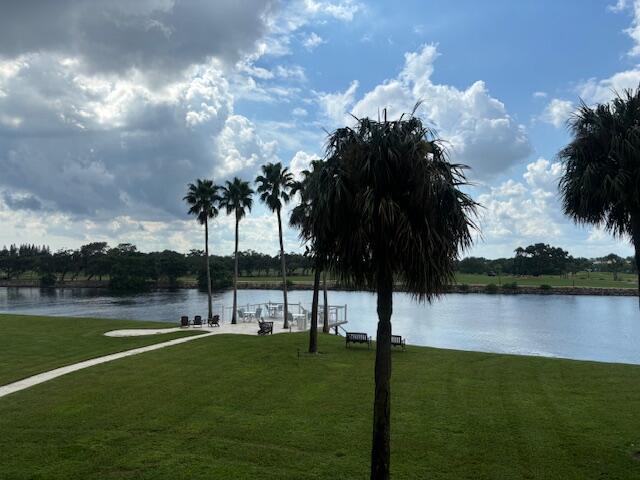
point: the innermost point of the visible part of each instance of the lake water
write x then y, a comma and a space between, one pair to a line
579, 327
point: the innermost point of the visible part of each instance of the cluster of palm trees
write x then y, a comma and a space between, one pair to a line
385, 206
205, 199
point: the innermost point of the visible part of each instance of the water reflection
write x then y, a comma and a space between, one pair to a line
580, 327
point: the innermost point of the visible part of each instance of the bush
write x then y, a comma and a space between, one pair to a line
491, 288
545, 286
48, 280
123, 283
219, 280
511, 286
463, 287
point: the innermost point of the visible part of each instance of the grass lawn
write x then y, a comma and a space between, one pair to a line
581, 279
249, 408
30, 345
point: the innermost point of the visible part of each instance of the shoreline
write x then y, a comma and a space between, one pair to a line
461, 289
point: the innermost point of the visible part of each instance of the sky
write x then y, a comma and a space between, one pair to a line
109, 108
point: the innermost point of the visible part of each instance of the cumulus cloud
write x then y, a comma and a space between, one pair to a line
523, 212
312, 41
159, 36
557, 112
477, 126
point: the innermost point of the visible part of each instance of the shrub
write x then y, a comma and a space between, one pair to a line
219, 280
47, 280
545, 286
491, 288
511, 286
463, 287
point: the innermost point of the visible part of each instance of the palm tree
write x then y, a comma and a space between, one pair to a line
202, 197
396, 213
274, 186
601, 180
236, 197
304, 217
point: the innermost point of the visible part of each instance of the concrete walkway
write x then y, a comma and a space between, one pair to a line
239, 329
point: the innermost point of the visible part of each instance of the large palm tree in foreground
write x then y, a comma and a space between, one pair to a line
202, 199
601, 180
274, 187
396, 213
236, 197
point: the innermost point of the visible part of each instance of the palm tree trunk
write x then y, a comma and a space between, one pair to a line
381, 450
313, 333
235, 278
635, 226
325, 313
206, 255
284, 274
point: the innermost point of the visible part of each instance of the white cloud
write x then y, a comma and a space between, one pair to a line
601, 91
301, 161
299, 112
477, 126
335, 105
312, 41
557, 112
539, 94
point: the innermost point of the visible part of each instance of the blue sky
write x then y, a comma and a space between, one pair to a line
108, 109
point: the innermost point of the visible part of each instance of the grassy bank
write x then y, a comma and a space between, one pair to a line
30, 345
248, 407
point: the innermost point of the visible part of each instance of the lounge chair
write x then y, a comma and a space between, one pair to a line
197, 321
184, 321
214, 321
265, 328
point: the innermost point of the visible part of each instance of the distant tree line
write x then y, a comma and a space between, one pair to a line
128, 269
544, 259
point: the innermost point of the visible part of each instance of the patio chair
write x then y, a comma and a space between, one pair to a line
265, 328
184, 321
214, 321
197, 321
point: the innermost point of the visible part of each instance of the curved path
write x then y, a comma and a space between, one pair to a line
239, 329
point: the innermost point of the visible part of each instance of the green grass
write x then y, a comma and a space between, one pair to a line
249, 408
582, 279
30, 345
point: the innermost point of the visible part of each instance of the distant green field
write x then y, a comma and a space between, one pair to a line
582, 279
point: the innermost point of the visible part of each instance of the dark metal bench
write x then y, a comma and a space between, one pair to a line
265, 328
398, 341
357, 337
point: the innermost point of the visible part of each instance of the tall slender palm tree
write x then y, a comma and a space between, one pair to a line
394, 207
236, 197
601, 180
274, 187
303, 216
202, 197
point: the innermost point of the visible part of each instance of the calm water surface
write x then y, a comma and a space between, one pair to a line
580, 327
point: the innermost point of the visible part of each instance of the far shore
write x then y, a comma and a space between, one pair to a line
505, 289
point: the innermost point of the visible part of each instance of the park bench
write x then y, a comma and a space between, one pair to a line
265, 328
357, 337
398, 341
